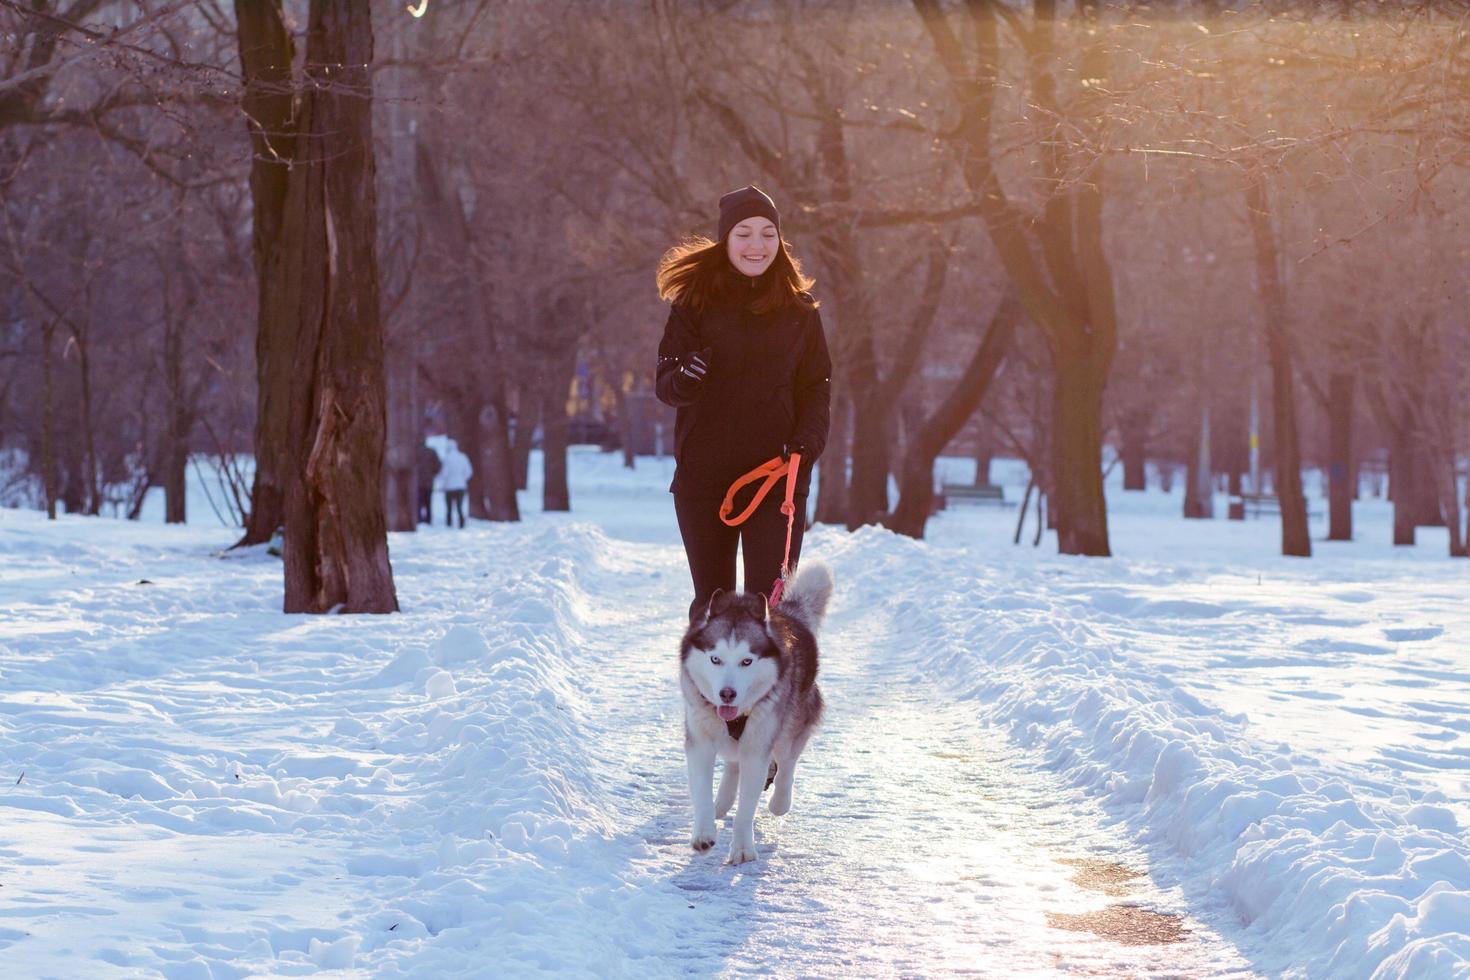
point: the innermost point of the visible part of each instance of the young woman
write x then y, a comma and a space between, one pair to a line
744, 360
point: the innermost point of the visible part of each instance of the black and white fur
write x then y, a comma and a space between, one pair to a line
758, 663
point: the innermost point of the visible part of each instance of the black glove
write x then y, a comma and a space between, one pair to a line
692, 371
794, 447
696, 364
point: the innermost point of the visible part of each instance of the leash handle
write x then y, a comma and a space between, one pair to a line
770, 471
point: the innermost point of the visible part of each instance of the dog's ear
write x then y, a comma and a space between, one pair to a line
709, 608
765, 607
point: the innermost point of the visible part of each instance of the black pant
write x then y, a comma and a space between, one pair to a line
453, 501
426, 510
710, 545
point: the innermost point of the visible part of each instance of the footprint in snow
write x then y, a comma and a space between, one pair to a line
1407, 634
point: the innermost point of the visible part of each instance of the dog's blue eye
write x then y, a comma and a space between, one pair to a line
746, 662
714, 660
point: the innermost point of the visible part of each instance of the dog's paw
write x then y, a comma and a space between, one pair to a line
702, 838
780, 801
741, 853
722, 810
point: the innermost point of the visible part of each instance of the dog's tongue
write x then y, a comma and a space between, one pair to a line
728, 712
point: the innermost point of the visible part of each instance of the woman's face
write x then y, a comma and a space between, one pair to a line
752, 245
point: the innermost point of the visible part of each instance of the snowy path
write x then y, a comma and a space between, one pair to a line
493, 785
918, 845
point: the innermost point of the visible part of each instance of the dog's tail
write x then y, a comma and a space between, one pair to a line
805, 599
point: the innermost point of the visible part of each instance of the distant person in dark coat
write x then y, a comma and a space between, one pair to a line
744, 360
428, 466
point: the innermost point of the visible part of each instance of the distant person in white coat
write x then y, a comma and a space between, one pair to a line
455, 479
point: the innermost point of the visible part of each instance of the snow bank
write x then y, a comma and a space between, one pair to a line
418, 793
1326, 878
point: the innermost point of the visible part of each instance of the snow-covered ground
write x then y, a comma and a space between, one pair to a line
491, 783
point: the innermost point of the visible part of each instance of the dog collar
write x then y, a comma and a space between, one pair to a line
736, 728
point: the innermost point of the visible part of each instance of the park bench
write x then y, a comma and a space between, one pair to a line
1257, 504
967, 493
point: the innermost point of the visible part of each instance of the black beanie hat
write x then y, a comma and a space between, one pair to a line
748, 202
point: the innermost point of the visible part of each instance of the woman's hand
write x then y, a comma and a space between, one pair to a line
692, 372
697, 364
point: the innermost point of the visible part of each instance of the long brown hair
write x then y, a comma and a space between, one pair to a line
697, 272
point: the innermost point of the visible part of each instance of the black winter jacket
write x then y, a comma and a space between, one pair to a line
769, 385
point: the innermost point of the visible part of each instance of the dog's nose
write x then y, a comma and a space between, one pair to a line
727, 694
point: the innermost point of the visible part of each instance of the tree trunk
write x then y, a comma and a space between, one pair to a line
179, 402
904, 430
500, 462
1237, 451
73, 493
866, 494
1450, 496
1401, 489
176, 441
1465, 537
1076, 500
1340, 457
1436, 427
405, 435
867, 491
266, 54
625, 426
984, 453
832, 481
916, 482
336, 546
527, 416
1199, 489
1295, 539
92, 492
555, 494
48, 421
1135, 451
1426, 500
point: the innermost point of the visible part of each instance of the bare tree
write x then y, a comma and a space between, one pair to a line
268, 100
1071, 297
1294, 537
336, 547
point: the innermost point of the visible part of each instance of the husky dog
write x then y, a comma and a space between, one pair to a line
749, 676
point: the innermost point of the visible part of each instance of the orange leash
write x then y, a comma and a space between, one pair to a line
770, 472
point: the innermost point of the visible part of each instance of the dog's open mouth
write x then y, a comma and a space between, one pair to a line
727, 712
